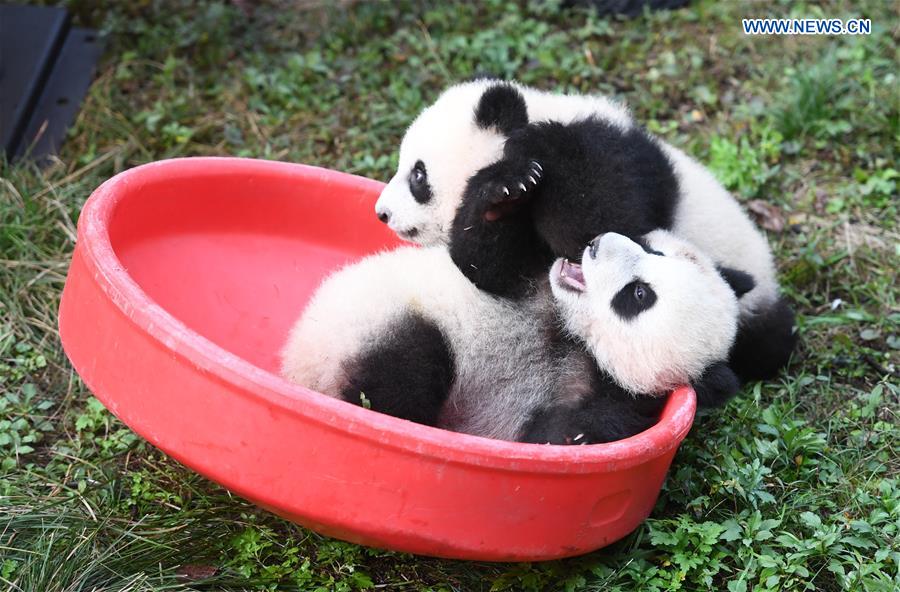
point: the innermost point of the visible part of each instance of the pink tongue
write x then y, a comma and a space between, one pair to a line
571, 275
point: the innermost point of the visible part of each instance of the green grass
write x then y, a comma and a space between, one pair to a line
793, 486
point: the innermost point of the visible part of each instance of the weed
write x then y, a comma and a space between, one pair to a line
793, 486
745, 166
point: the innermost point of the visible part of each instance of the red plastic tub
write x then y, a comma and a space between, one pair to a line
185, 280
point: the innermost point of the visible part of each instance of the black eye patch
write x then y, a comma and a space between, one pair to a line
633, 299
647, 248
418, 183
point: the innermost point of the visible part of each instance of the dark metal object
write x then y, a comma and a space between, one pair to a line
46, 67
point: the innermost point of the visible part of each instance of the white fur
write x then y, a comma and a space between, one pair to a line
447, 140
505, 365
434, 137
692, 324
712, 220
502, 366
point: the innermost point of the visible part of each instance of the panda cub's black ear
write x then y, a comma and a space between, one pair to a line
741, 282
502, 106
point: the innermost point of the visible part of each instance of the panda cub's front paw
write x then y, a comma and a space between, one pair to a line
504, 186
560, 425
518, 178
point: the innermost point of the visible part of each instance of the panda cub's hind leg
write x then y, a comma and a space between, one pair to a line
406, 373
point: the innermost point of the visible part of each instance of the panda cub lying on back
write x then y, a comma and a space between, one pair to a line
511, 177
586, 358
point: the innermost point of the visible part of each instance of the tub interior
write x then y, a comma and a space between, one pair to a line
236, 257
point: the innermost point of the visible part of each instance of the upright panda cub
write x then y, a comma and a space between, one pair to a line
511, 177
585, 358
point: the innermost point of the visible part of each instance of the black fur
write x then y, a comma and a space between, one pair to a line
407, 373
644, 245
502, 107
504, 255
418, 183
716, 387
629, 8
610, 413
764, 343
633, 299
409, 370
595, 178
740, 281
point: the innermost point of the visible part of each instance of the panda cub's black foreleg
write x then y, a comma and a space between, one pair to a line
493, 241
607, 414
610, 413
765, 342
506, 185
593, 421
407, 373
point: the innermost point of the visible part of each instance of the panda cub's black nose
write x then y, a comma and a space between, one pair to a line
384, 216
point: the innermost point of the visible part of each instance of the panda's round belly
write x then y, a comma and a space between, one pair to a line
503, 371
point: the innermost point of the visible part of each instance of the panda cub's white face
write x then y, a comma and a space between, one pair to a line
440, 151
654, 319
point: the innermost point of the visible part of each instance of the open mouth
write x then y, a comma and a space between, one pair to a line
571, 276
